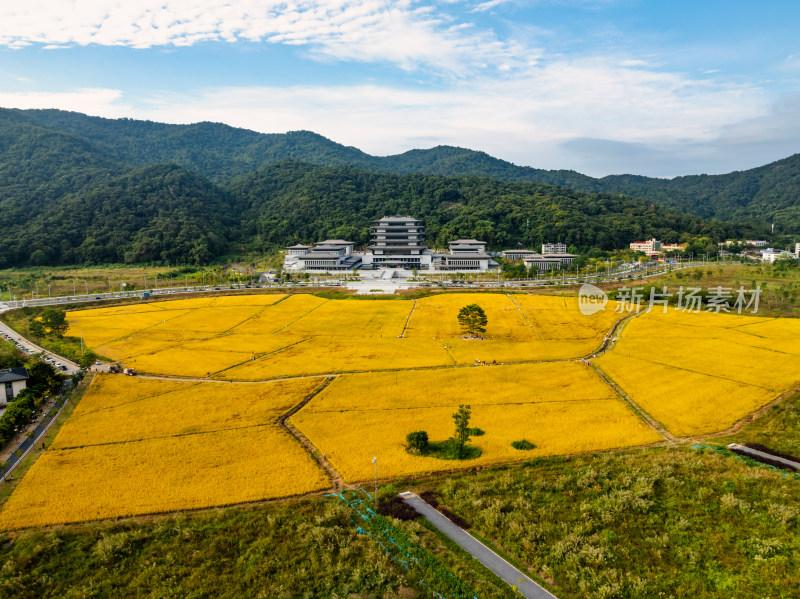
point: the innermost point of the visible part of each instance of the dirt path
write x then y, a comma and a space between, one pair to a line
337, 481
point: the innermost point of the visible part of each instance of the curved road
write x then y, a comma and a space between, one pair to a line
32, 348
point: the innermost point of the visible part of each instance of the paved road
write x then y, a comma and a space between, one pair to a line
478, 550
31, 347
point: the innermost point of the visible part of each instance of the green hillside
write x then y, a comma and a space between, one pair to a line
84, 190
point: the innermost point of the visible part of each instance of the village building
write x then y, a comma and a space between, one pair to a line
13, 380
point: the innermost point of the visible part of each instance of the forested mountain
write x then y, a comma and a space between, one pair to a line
220, 153
76, 189
292, 201
159, 213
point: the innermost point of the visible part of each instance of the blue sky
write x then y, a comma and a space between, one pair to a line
599, 86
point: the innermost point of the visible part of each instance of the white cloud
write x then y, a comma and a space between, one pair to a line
591, 115
527, 119
408, 33
94, 101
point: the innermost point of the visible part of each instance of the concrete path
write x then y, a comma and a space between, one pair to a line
476, 549
761, 455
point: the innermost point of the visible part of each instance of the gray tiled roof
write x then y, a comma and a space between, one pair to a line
8, 375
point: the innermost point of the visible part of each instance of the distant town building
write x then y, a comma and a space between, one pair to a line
653, 247
554, 248
465, 254
519, 254
751, 242
397, 242
797, 250
770, 255
13, 380
549, 261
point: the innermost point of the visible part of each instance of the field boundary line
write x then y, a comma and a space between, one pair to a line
713, 376
337, 480
609, 344
638, 410
173, 436
142, 330
133, 401
525, 316
252, 316
410, 314
276, 351
608, 341
303, 315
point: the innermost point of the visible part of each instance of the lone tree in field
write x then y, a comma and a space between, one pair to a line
463, 432
473, 320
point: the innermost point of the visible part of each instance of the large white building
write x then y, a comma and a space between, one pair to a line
398, 242
549, 261
465, 255
331, 255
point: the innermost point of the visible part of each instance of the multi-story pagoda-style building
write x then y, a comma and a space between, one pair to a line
398, 242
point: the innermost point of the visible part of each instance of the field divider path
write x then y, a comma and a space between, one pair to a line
410, 314
259, 357
525, 316
608, 344
641, 412
337, 481
303, 315
609, 341
252, 316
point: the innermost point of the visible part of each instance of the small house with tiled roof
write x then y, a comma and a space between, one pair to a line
13, 380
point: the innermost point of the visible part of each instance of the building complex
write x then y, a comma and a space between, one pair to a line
398, 242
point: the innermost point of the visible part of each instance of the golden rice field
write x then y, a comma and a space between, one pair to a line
246, 339
562, 407
139, 445
700, 373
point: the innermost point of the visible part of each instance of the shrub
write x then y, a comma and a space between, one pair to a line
418, 440
523, 445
